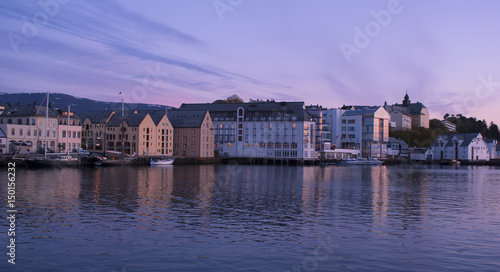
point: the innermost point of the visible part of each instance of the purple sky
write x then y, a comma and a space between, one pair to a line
445, 53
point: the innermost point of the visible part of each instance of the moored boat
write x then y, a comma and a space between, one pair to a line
162, 162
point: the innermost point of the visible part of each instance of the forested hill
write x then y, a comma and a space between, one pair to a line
77, 104
472, 125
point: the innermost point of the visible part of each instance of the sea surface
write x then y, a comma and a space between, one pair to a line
255, 218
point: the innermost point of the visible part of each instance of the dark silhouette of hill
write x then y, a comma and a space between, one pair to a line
77, 104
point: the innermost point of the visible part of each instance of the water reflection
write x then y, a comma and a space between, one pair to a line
215, 216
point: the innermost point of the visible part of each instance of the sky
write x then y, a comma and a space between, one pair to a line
445, 54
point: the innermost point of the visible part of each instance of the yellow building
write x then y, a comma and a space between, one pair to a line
138, 132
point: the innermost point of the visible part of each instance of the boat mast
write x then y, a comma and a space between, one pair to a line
166, 130
68, 132
123, 117
46, 125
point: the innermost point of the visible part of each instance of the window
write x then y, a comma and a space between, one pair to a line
13, 132
343, 121
20, 131
64, 133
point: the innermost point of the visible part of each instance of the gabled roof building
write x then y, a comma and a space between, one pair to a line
460, 147
261, 129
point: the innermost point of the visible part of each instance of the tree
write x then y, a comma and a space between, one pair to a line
232, 99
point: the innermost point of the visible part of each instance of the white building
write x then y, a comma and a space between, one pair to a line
449, 125
365, 129
69, 134
462, 147
277, 130
400, 120
421, 154
28, 124
492, 147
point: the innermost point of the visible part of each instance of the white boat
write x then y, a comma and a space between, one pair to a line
361, 161
162, 162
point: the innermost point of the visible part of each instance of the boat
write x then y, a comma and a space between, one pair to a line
104, 161
60, 161
348, 161
165, 161
360, 161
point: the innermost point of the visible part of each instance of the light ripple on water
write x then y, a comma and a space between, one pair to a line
259, 218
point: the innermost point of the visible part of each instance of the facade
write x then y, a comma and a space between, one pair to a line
3, 142
417, 111
462, 147
94, 130
332, 126
492, 147
164, 133
322, 141
365, 129
400, 120
421, 154
69, 134
449, 125
259, 129
28, 124
396, 147
497, 154
144, 132
193, 133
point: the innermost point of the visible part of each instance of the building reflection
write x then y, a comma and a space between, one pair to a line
109, 187
47, 194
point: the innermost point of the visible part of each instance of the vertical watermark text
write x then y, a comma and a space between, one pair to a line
11, 211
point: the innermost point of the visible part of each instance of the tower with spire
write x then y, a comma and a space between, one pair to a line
406, 101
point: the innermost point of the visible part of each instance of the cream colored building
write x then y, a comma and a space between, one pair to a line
69, 134
144, 133
28, 124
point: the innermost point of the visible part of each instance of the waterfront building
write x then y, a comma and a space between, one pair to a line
164, 133
322, 140
417, 111
497, 154
94, 130
367, 129
397, 147
69, 134
28, 124
261, 129
462, 147
492, 147
193, 133
144, 132
421, 154
449, 125
3, 142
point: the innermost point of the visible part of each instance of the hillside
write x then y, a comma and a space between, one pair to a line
77, 104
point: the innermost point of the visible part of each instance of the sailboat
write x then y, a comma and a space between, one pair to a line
59, 161
104, 161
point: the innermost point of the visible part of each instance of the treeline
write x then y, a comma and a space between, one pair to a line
420, 137
472, 125
423, 137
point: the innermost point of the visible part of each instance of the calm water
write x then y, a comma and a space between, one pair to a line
256, 218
